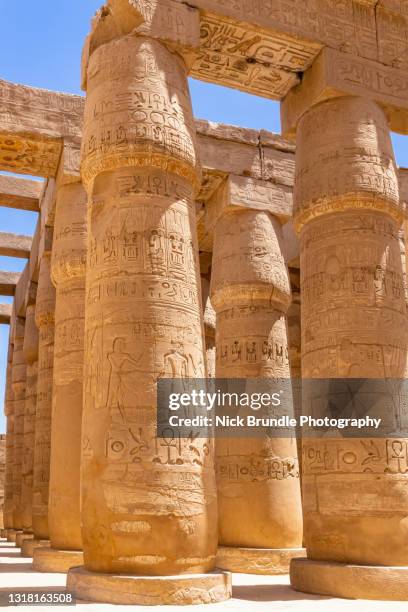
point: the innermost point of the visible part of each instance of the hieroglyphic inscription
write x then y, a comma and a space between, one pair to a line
250, 291
253, 61
143, 316
353, 326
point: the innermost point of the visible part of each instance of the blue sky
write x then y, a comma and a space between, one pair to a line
41, 45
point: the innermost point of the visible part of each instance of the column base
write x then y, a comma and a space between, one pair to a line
3, 533
149, 590
12, 534
349, 581
21, 536
52, 560
28, 546
265, 561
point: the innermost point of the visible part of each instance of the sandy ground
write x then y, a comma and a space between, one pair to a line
252, 593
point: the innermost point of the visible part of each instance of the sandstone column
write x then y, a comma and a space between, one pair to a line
148, 505
68, 275
44, 318
8, 478
30, 352
18, 382
354, 325
209, 326
295, 361
258, 478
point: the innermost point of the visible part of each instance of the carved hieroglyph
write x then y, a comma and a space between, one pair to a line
353, 326
258, 478
18, 382
44, 318
68, 275
9, 413
148, 505
30, 351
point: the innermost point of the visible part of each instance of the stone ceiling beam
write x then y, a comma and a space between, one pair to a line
19, 193
5, 313
33, 123
336, 74
8, 282
14, 245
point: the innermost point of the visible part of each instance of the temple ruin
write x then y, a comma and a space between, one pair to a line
172, 247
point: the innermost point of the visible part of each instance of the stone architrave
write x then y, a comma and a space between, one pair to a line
149, 509
30, 351
18, 382
68, 265
209, 326
250, 292
44, 319
354, 325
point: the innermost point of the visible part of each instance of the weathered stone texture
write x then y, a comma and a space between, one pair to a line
250, 292
141, 183
68, 275
30, 352
44, 318
22, 194
2, 477
353, 323
14, 245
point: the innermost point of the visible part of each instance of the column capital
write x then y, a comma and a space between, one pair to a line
335, 74
345, 161
175, 24
68, 259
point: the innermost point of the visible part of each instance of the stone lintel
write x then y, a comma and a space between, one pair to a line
8, 282
229, 155
372, 29
223, 148
247, 192
14, 245
240, 192
33, 123
5, 313
19, 193
22, 154
336, 74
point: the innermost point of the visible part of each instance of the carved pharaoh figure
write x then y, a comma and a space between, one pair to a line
144, 319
